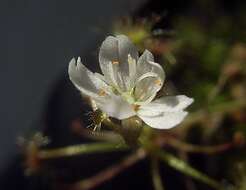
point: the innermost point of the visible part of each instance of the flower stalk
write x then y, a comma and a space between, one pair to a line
155, 172
110, 172
75, 150
185, 168
130, 129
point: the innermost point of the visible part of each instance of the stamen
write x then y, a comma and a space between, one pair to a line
101, 92
135, 107
115, 62
158, 82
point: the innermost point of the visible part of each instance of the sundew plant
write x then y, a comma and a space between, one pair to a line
175, 98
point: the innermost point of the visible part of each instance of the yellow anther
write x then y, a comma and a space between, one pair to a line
115, 62
158, 82
135, 107
101, 92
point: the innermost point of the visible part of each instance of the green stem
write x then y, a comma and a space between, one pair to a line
202, 114
185, 168
156, 177
198, 149
129, 130
110, 172
227, 107
81, 149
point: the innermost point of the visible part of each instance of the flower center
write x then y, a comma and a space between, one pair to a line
128, 97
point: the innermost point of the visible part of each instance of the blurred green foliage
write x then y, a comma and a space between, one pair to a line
205, 58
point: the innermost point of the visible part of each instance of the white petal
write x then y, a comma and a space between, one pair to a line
100, 76
143, 62
132, 72
114, 54
117, 49
146, 75
147, 87
111, 75
146, 64
166, 104
166, 112
115, 106
165, 120
84, 80
157, 68
126, 48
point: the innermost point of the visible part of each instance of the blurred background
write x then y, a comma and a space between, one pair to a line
200, 43
42, 37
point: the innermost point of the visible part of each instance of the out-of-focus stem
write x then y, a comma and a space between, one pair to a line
227, 107
198, 149
201, 115
188, 182
110, 172
74, 150
156, 177
185, 168
218, 87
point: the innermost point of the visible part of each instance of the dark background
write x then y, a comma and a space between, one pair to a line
42, 37
38, 39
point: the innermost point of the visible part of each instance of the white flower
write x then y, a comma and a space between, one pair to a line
128, 85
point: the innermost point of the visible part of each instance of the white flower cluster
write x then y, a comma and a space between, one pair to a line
129, 85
